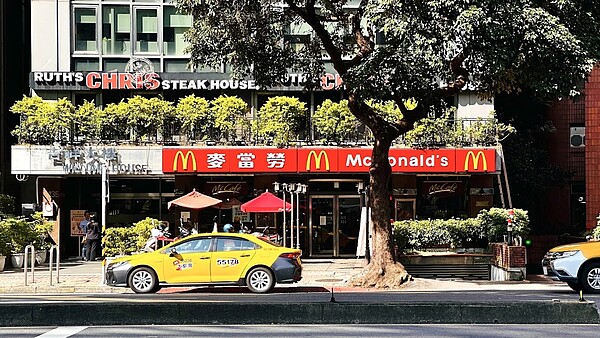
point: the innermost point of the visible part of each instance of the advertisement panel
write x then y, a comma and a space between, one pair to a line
239, 160
76, 217
475, 160
325, 160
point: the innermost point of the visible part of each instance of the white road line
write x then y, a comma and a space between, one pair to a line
63, 332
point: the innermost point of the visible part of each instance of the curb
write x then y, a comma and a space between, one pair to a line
202, 313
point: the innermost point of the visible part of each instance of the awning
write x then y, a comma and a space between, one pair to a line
266, 202
228, 204
194, 200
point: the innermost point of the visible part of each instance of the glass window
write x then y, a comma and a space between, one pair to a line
234, 244
114, 65
194, 245
146, 30
116, 30
85, 30
175, 25
86, 65
176, 66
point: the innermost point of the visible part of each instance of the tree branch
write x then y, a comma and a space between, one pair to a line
461, 75
311, 18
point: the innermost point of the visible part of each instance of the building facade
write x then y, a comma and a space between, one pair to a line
109, 50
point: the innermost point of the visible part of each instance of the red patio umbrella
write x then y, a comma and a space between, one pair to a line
266, 202
194, 200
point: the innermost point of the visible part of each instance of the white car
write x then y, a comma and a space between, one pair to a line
576, 264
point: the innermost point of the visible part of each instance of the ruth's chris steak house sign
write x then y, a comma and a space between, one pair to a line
161, 81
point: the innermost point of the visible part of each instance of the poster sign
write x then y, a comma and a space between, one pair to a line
76, 217
244, 216
185, 215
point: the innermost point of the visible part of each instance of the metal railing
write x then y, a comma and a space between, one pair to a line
29, 250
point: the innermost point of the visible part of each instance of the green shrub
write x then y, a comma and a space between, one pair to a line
127, 240
5, 243
494, 221
489, 226
7, 205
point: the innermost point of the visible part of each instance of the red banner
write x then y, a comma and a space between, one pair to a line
324, 160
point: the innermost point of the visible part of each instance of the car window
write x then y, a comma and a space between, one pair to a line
234, 244
194, 245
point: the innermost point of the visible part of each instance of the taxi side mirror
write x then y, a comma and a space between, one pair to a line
174, 253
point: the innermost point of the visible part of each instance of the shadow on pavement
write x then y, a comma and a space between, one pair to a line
230, 289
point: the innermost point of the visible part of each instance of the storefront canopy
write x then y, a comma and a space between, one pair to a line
194, 200
228, 204
266, 202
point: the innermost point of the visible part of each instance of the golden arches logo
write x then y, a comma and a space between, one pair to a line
184, 160
475, 160
313, 155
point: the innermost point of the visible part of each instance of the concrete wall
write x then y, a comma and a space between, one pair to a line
472, 107
50, 37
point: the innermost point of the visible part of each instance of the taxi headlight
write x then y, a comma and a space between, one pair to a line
564, 254
116, 265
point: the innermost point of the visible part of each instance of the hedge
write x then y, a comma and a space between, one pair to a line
489, 226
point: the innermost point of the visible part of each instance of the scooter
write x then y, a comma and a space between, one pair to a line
158, 234
275, 238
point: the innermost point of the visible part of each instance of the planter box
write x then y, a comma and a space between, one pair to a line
2, 262
17, 260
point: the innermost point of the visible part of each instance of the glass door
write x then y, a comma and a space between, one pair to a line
348, 224
334, 225
322, 225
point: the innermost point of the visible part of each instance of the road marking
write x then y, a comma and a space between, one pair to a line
63, 332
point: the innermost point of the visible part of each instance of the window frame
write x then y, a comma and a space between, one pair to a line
74, 50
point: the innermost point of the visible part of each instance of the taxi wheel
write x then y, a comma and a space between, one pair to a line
590, 279
143, 280
260, 280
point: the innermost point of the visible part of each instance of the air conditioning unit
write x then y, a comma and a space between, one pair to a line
577, 137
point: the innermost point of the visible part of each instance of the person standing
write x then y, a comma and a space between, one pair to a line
83, 225
92, 237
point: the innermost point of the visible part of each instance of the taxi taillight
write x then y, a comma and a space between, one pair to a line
290, 255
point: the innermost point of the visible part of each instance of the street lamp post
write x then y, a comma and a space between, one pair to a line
282, 187
300, 189
292, 188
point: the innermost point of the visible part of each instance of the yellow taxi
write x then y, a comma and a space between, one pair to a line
209, 259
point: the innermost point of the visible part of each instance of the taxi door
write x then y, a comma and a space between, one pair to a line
230, 257
189, 263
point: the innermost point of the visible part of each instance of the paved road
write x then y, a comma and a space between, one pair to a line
284, 295
412, 330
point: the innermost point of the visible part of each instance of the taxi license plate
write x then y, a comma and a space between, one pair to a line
545, 270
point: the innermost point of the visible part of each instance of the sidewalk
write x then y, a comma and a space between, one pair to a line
86, 277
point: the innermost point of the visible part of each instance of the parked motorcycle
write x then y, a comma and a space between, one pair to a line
158, 235
272, 237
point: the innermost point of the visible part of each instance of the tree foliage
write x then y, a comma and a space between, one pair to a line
194, 116
431, 50
282, 119
230, 117
334, 121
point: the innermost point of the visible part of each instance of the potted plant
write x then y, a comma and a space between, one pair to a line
5, 247
21, 234
41, 228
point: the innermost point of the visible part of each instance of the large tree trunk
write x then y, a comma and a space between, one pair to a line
383, 271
